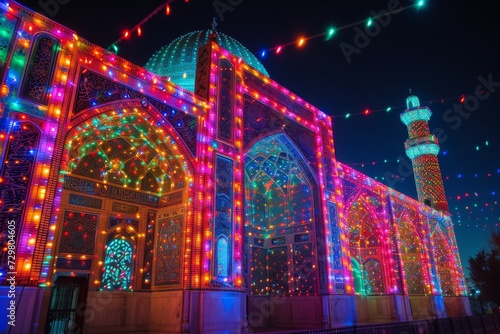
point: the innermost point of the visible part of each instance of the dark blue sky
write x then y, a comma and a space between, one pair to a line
440, 51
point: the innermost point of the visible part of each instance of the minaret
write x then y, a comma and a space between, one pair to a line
422, 148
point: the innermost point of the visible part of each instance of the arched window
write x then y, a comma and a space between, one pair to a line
118, 265
222, 257
279, 194
357, 276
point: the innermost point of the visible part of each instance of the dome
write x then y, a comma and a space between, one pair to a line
177, 60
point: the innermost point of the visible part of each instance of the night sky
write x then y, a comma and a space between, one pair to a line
443, 51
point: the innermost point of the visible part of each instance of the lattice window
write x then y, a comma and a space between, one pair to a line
118, 265
39, 71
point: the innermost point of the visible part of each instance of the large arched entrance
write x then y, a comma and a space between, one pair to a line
280, 228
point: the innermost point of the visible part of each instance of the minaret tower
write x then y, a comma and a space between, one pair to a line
422, 148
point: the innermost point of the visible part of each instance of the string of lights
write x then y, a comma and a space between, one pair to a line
331, 31
138, 27
300, 42
472, 148
369, 111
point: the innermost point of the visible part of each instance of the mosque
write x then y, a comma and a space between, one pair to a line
197, 195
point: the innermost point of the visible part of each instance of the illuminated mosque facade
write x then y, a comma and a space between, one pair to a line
197, 195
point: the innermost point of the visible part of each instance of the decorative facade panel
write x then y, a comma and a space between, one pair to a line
147, 273
273, 94
278, 271
124, 208
260, 119
168, 253
86, 201
259, 274
114, 221
303, 269
78, 233
16, 174
93, 188
73, 264
40, 68
226, 100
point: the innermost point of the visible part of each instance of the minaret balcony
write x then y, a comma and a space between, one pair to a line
419, 114
430, 139
422, 146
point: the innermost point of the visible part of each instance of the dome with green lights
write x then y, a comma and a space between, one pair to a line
177, 60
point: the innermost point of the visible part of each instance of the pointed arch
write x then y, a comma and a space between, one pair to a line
108, 147
365, 244
281, 200
278, 185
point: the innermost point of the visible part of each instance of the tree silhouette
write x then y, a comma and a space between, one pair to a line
485, 270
